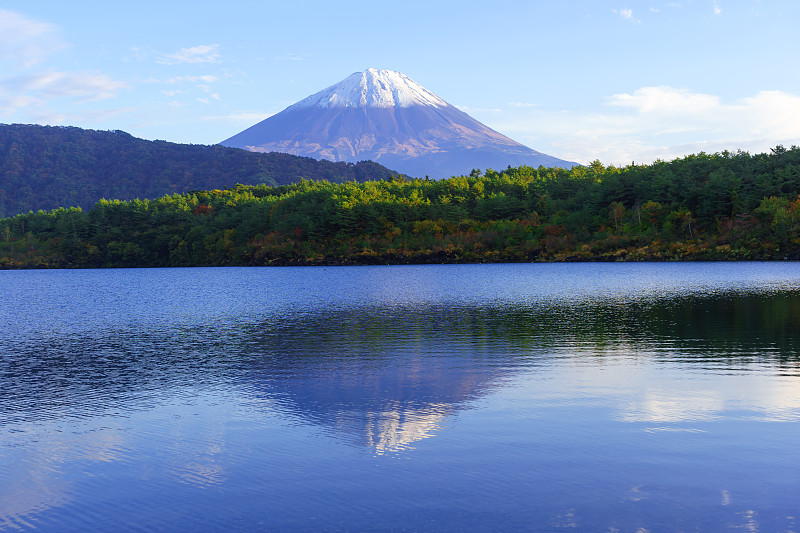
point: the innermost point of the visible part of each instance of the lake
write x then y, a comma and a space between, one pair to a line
536, 397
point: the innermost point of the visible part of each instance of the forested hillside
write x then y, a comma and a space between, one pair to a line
720, 206
45, 167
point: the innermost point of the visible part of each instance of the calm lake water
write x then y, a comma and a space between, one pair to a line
585, 397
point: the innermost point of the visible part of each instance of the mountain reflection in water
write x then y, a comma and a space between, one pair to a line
387, 377
382, 378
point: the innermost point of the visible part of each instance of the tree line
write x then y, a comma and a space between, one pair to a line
723, 206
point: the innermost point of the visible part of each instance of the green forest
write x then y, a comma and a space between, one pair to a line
723, 206
46, 167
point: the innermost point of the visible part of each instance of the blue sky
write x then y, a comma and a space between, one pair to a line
618, 81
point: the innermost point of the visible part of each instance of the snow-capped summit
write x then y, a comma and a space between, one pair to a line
373, 88
387, 117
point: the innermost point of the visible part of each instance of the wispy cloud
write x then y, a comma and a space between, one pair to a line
38, 89
717, 8
208, 78
207, 53
291, 57
627, 14
466, 109
201, 83
25, 41
247, 118
29, 90
207, 100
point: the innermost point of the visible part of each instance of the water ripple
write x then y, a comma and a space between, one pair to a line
462, 397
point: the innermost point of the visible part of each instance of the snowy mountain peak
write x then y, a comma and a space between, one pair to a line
385, 116
373, 88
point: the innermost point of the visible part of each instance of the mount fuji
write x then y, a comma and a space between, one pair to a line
387, 117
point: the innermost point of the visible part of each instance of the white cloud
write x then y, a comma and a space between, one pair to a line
717, 9
26, 42
627, 14
666, 109
656, 123
771, 113
665, 100
208, 53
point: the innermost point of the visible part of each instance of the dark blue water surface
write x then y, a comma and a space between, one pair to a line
586, 397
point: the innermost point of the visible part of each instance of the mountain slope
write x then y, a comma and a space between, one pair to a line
45, 167
387, 117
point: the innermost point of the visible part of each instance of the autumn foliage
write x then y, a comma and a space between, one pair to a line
725, 206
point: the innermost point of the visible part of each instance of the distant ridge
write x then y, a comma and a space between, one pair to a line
385, 116
46, 167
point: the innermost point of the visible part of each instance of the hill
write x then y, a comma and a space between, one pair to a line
45, 167
702, 207
385, 116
